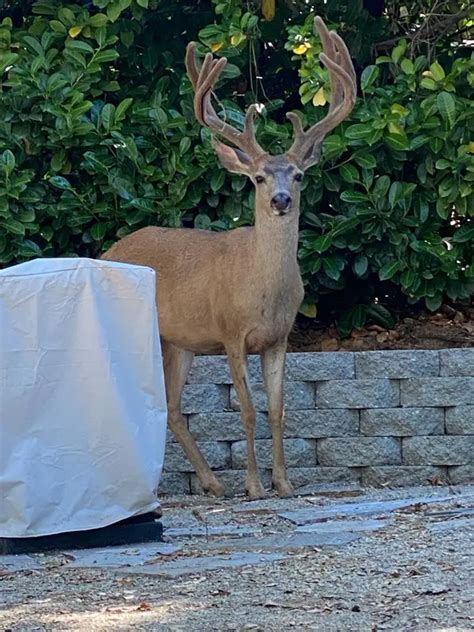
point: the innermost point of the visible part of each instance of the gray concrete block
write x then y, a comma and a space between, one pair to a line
203, 398
298, 395
443, 450
441, 391
215, 370
313, 367
460, 420
359, 451
456, 362
461, 474
303, 476
174, 483
402, 422
298, 453
313, 424
209, 370
225, 426
402, 475
358, 394
216, 453
396, 364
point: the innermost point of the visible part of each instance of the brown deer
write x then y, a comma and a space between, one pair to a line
239, 291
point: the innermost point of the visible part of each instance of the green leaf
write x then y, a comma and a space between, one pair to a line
105, 56
98, 231
428, 83
367, 161
395, 193
389, 270
107, 116
368, 76
408, 278
353, 197
333, 265
122, 108
360, 265
113, 11
184, 145
399, 142
12, 226
321, 243
359, 316
399, 51
309, 310
380, 316
98, 20
447, 107
442, 164
407, 66
344, 227
217, 180
58, 27
464, 234
437, 71
358, 131
8, 161
382, 186
34, 44
143, 3
66, 16
433, 303
349, 173
60, 183
79, 45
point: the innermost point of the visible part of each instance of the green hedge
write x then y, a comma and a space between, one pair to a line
99, 138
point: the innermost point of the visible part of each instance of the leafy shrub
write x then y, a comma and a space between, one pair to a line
99, 138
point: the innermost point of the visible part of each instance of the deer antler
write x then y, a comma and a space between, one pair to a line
203, 82
336, 58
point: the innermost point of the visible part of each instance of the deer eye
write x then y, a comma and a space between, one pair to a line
259, 179
298, 177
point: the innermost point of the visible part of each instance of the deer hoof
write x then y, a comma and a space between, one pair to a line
255, 491
284, 488
216, 488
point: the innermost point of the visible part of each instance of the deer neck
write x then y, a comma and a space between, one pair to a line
276, 243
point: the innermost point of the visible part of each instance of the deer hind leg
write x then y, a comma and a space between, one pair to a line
273, 368
177, 363
238, 369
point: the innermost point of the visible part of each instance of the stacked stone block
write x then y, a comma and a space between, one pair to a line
378, 418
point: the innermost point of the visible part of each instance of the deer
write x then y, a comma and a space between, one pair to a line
239, 291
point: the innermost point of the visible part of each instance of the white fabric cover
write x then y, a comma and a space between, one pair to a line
82, 396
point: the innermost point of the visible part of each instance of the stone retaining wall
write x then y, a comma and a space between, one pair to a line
378, 418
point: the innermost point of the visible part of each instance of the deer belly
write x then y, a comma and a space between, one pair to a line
263, 337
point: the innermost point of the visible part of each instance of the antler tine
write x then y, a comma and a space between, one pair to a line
203, 82
342, 76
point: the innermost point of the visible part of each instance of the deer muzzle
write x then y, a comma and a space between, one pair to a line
281, 203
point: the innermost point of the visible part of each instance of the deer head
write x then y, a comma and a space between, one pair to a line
277, 178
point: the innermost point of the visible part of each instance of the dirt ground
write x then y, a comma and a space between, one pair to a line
447, 329
408, 569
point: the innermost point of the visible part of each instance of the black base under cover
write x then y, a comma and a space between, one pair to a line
144, 528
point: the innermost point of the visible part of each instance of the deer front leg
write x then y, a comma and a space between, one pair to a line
238, 369
177, 363
273, 368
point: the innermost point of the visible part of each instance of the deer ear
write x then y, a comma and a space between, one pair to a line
234, 160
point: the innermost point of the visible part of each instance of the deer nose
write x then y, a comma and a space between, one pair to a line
281, 201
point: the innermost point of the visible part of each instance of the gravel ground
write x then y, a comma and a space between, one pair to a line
407, 575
